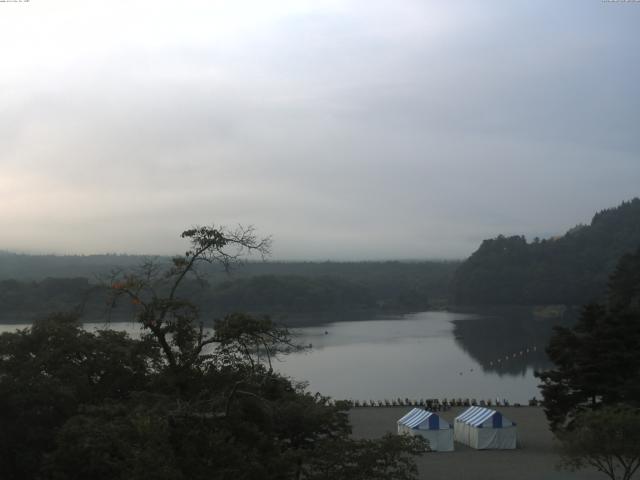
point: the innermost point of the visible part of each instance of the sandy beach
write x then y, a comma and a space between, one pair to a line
534, 459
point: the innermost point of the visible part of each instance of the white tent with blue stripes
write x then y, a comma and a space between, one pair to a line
483, 428
436, 430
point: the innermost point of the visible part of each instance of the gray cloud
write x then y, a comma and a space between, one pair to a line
345, 129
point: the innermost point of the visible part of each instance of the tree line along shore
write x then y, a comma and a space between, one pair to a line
546, 274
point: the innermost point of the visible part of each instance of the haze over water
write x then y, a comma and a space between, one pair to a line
421, 355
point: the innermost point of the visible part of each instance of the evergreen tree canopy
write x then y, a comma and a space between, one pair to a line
572, 269
597, 362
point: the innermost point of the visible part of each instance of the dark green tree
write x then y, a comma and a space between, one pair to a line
571, 269
179, 403
48, 371
597, 362
607, 439
154, 292
389, 457
624, 285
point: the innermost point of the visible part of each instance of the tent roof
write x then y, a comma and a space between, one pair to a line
417, 417
476, 416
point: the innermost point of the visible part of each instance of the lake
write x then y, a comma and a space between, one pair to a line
421, 355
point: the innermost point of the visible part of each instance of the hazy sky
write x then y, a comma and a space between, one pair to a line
346, 129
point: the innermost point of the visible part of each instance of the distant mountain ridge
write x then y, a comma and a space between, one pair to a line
21, 266
32, 286
572, 269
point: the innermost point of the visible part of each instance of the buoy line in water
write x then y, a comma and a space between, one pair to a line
510, 356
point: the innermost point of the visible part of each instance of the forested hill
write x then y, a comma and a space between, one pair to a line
572, 269
260, 287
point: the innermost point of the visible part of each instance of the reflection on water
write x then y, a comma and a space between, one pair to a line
509, 344
423, 355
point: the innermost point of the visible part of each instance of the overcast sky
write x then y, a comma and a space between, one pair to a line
345, 129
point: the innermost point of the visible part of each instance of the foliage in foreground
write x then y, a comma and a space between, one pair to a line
607, 439
177, 403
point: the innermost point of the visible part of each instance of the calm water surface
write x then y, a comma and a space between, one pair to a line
422, 355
